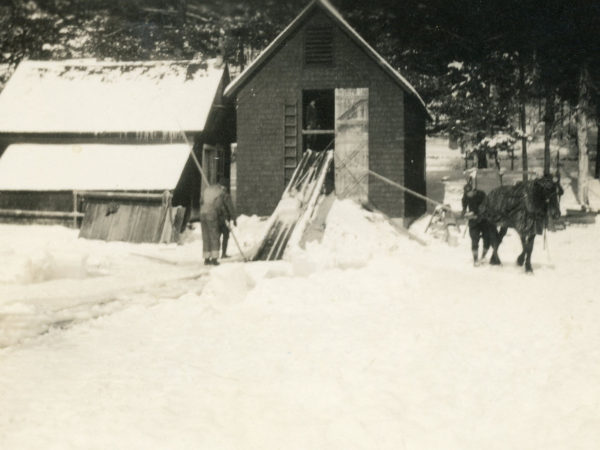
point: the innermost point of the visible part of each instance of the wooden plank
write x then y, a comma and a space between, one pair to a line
26, 213
117, 224
317, 132
305, 188
130, 221
120, 196
352, 143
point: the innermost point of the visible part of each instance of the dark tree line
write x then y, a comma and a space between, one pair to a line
478, 64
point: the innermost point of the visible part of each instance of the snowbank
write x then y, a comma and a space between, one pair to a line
43, 266
352, 237
409, 348
26, 264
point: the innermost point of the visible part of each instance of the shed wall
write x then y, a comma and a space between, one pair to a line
282, 78
37, 200
414, 158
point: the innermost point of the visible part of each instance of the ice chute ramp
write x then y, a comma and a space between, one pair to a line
296, 207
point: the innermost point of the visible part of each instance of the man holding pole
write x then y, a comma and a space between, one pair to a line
216, 210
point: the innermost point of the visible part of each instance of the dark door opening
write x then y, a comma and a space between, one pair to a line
318, 119
318, 125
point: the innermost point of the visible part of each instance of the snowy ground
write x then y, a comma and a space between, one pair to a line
365, 340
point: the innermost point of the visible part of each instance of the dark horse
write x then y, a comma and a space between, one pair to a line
527, 207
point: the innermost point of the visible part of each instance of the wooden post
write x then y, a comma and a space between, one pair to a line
548, 126
522, 114
582, 137
75, 209
597, 171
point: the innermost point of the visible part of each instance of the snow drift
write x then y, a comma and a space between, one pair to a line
362, 340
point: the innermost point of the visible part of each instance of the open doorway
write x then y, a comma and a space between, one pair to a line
318, 121
318, 126
213, 163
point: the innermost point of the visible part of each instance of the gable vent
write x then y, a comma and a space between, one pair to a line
318, 46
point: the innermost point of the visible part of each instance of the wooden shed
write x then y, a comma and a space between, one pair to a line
77, 127
320, 85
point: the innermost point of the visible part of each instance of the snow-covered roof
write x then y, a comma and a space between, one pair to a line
54, 167
87, 96
332, 12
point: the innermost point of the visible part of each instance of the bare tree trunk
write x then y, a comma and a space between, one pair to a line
182, 23
548, 126
522, 115
582, 137
597, 171
562, 120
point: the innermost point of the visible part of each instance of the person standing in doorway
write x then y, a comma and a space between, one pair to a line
312, 123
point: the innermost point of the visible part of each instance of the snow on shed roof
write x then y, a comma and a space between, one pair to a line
34, 167
87, 96
330, 10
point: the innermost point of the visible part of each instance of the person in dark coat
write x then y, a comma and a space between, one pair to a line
226, 217
213, 208
312, 123
479, 228
481, 157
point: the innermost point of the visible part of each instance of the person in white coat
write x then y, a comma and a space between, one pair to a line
215, 205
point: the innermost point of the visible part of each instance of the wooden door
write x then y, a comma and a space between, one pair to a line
351, 153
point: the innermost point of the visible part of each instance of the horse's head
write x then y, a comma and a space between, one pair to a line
549, 192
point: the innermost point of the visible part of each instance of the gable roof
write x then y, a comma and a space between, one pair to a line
334, 14
54, 167
87, 96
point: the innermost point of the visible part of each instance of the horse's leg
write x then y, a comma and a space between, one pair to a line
474, 234
485, 234
529, 251
495, 242
521, 257
501, 234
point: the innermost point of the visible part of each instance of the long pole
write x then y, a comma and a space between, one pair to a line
205, 181
198, 165
410, 191
237, 244
191, 147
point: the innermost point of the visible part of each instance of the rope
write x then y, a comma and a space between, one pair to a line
439, 206
410, 191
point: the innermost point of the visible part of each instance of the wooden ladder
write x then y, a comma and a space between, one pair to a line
290, 140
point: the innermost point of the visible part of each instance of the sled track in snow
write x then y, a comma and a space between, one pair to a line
43, 315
